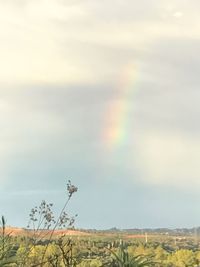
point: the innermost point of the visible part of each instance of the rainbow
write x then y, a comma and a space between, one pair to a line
116, 131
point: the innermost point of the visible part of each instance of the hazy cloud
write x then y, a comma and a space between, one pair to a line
65, 66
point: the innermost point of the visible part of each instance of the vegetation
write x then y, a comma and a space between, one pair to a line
42, 247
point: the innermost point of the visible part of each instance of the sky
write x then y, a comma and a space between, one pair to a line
106, 94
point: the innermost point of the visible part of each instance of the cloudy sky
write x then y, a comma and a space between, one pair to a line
105, 93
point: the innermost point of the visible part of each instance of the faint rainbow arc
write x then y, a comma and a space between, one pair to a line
116, 130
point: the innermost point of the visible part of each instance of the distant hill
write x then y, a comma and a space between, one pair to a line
142, 231
15, 231
135, 232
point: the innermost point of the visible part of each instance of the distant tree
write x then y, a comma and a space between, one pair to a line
183, 258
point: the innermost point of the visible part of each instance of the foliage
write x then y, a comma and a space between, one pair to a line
7, 247
36, 249
42, 248
122, 258
183, 258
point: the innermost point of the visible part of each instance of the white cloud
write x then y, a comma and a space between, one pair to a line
178, 14
169, 158
31, 50
90, 42
79, 42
